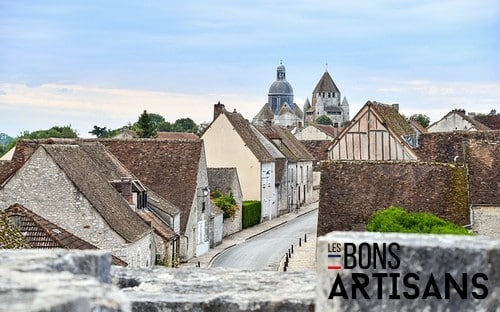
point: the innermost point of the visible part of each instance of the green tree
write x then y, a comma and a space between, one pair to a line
424, 120
396, 219
185, 125
145, 126
324, 120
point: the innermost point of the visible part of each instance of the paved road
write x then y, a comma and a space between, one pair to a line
264, 252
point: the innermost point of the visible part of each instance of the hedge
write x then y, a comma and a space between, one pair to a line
251, 213
396, 219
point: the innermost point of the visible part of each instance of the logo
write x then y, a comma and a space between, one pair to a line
373, 271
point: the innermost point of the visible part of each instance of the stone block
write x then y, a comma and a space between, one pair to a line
407, 272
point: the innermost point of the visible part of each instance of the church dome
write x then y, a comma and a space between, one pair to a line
281, 87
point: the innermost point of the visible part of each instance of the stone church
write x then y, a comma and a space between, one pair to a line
281, 109
326, 101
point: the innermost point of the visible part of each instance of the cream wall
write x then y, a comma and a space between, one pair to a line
225, 148
451, 123
312, 133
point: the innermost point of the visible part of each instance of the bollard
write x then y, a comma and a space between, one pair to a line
305, 238
289, 253
300, 241
199, 264
292, 248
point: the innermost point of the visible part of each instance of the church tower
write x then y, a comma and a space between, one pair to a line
326, 100
281, 91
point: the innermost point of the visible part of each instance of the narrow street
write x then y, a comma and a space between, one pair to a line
264, 251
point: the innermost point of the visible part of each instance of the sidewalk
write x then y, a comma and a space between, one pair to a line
205, 260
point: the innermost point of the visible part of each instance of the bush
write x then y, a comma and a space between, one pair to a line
251, 213
226, 203
396, 219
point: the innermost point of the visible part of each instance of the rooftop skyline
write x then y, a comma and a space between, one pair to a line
89, 63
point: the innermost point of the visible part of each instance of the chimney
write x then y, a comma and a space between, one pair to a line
218, 109
395, 107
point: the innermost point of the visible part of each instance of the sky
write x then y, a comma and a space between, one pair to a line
87, 62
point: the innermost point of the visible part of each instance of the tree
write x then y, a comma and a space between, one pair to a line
396, 219
145, 126
185, 125
324, 120
424, 120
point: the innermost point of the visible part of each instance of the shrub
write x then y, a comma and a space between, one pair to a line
251, 213
226, 203
396, 219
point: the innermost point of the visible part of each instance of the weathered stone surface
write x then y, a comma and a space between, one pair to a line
194, 289
58, 280
422, 255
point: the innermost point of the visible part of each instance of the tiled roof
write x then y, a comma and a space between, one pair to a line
169, 168
290, 146
177, 136
317, 148
265, 114
326, 84
392, 118
10, 236
329, 130
490, 121
159, 227
242, 126
41, 233
418, 126
90, 178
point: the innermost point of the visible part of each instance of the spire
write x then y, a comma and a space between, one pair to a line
326, 66
280, 71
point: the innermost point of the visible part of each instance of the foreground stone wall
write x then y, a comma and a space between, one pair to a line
62, 280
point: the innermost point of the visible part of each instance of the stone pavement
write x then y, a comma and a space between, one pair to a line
206, 259
303, 257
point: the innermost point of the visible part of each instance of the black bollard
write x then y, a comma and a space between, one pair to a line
292, 248
300, 241
305, 238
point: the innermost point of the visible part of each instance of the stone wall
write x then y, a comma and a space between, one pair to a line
63, 280
486, 220
352, 191
444, 146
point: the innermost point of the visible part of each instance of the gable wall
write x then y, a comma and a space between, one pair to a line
368, 139
449, 123
352, 191
41, 186
224, 148
312, 133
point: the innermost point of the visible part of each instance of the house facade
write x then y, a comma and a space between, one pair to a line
457, 120
230, 141
377, 132
316, 132
59, 182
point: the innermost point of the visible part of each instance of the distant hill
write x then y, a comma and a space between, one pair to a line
5, 139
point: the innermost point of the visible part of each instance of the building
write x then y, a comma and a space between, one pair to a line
326, 101
280, 108
457, 120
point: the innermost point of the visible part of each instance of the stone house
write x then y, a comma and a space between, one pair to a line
377, 132
176, 170
317, 132
226, 181
40, 233
296, 186
64, 184
232, 142
457, 120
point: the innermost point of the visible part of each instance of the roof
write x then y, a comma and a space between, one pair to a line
159, 227
317, 148
289, 145
41, 233
177, 136
169, 168
326, 84
484, 171
243, 128
392, 119
490, 121
10, 236
418, 126
222, 179
265, 114
91, 178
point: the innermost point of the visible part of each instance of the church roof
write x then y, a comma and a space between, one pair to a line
285, 108
326, 84
281, 87
307, 104
265, 114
